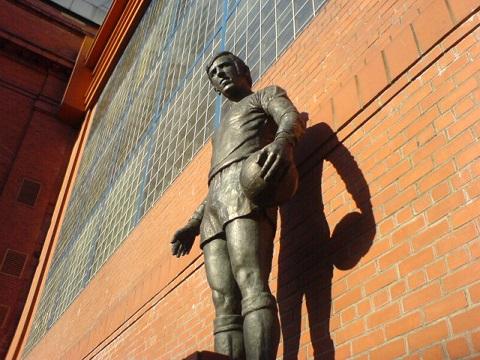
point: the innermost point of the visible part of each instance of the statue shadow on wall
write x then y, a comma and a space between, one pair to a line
309, 251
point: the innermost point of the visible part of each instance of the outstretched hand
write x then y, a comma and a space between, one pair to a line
275, 158
183, 239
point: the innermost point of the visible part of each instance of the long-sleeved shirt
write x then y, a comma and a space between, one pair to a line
252, 123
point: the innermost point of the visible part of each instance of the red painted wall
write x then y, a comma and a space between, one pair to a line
38, 47
377, 256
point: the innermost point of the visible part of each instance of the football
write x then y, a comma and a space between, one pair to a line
267, 193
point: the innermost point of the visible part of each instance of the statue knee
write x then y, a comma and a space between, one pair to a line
263, 300
224, 323
225, 303
250, 281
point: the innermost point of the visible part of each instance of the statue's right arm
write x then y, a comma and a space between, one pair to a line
184, 237
197, 215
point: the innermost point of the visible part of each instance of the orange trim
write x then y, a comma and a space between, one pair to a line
72, 108
116, 10
114, 48
98, 59
24, 325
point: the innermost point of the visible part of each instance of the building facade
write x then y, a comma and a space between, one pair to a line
376, 255
38, 49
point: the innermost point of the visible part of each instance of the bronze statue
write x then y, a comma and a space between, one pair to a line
237, 221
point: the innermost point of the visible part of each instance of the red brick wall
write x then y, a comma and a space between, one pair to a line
38, 48
377, 255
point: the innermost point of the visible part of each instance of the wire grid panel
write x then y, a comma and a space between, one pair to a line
155, 113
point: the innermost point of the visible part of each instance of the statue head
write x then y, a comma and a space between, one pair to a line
229, 75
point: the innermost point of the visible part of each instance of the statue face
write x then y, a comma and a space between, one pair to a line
225, 78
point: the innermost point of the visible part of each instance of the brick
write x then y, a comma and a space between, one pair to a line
352, 330
445, 307
416, 262
407, 230
348, 315
444, 121
367, 341
380, 280
420, 92
462, 9
458, 348
343, 352
380, 298
473, 189
476, 340
429, 148
435, 177
467, 155
422, 203
430, 235
391, 350
372, 78
474, 293
465, 321
436, 269
456, 238
475, 249
347, 299
394, 256
359, 275
445, 206
422, 127
432, 24
399, 201
346, 102
378, 247
397, 290
464, 123
462, 177
466, 213
463, 106
383, 316
338, 288
404, 215
444, 88
384, 195
462, 277
428, 335
421, 297
433, 353
403, 325
460, 92
440, 191
416, 280
465, 73
457, 258
393, 174
363, 307
401, 53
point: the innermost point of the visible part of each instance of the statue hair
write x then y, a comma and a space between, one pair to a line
242, 68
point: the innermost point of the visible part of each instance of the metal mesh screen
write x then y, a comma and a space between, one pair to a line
155, 113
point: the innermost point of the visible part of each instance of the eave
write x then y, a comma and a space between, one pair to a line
97, 59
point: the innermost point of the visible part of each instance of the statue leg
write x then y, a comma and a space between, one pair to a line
226, 299
250, 246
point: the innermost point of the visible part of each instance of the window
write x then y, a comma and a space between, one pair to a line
13, 263
28, 192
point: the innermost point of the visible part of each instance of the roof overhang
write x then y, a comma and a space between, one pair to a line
97, 59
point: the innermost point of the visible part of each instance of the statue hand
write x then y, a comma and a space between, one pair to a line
275, 158
183, 239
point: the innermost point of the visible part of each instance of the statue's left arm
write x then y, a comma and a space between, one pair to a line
278, 155
184, 237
